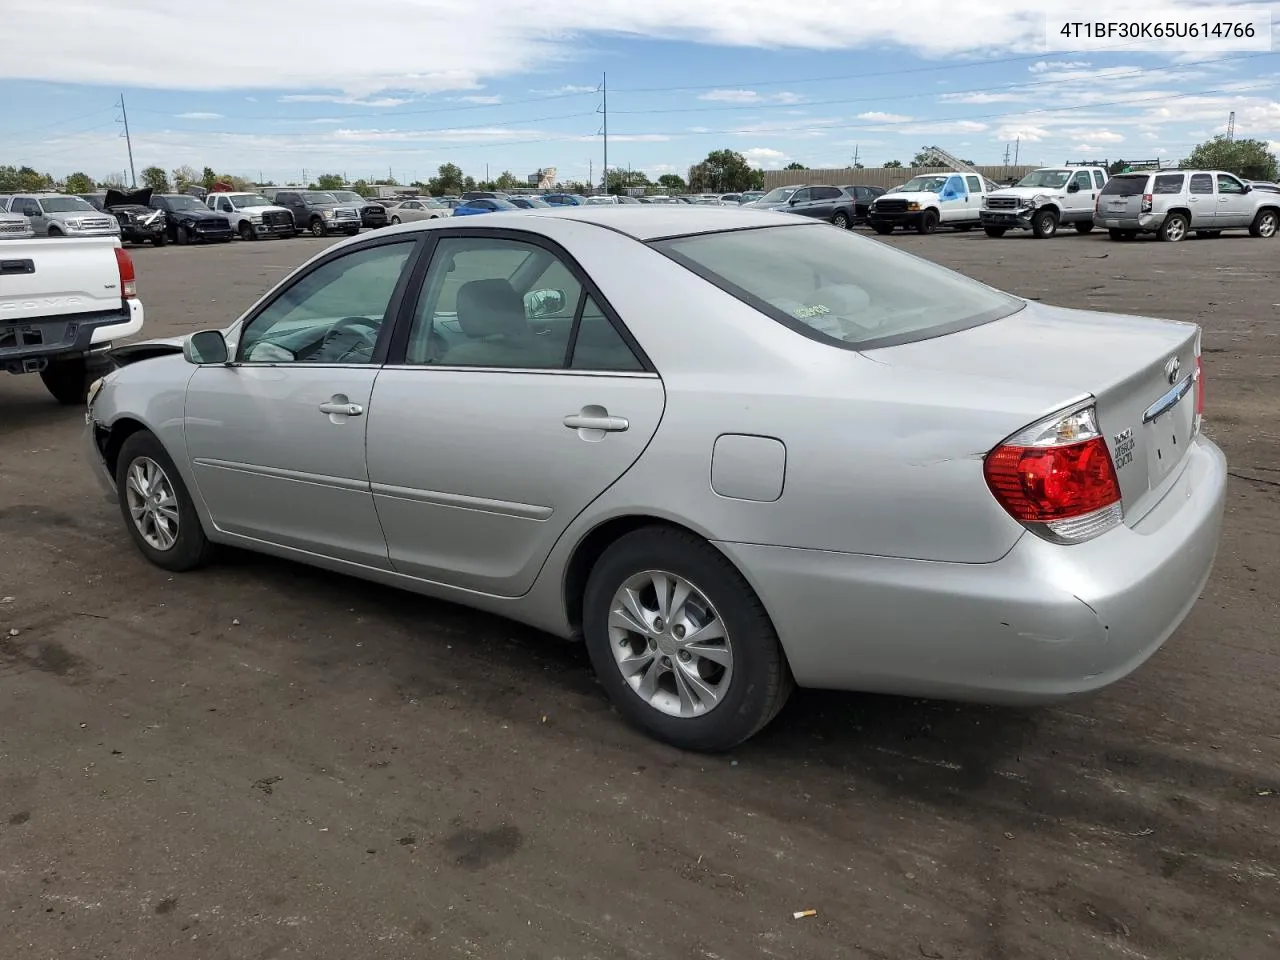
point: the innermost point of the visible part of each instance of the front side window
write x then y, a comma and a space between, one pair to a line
1229, 184
801, 196
839, 287
1083, 181
332, 314
975, 184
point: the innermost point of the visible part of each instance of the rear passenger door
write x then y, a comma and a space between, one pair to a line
512, 398
1201, 198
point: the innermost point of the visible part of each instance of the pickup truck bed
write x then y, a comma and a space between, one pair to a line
63, 303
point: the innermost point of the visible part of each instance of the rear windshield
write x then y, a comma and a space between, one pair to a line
838, 287
1125, 186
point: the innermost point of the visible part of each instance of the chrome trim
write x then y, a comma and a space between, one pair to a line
557, 371
280, 473
1169, 400
506, 508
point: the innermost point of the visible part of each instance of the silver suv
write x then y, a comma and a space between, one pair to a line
1172, 203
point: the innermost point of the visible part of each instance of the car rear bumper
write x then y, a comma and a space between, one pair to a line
1146, 223
65, 337
1044, 623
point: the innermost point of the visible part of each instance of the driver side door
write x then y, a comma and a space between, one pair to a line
276, 437
953, 200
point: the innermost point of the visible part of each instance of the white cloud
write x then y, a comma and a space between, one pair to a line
198, 115
766, 157
881, 117
481, 99
1095, 136
1028, 133
566, 90
983, 97
1041, 66
748, 97
350, 101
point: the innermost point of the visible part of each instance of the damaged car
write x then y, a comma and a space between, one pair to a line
139, 222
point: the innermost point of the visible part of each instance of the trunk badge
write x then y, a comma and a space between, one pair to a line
1171, 368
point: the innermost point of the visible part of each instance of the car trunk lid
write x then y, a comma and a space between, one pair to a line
1140, 371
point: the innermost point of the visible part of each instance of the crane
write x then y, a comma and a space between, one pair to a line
948, 160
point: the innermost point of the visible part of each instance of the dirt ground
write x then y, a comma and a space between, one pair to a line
260, 760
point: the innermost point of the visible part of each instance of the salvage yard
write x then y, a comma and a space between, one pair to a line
261, 760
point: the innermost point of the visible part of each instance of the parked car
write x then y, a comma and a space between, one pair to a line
659, 198
372, 215
775, 199
1043, 200
319, 212
63, 215
563, 199
139, 223
1172, 203
14, 226
470, 208
709, 548
406, 211
750, 196
187, 220
63, 303
529, 203
926, 202
1264, 185
484, 195
863, 197
252, 215
837, 205
730, 198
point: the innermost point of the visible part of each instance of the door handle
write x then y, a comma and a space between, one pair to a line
579, 421
1223, 199
342, 409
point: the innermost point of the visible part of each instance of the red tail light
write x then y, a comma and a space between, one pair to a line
1146, 203
128, 282
1057, 477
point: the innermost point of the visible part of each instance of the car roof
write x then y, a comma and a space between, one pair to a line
644, 221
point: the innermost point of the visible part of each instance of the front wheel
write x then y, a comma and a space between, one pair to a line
1264, 225
840, 220
1044, 224
680, 641
160, 240
55, 232
1085, 226
182, 235
928, 222
395, 221
884, 229
67, 381
246, 231
156, 506
318, 229
1173, 229
996, 232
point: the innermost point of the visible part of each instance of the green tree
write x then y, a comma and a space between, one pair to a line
113, 181
448, 180
506, 181
185, 176
329, 181
1250, 159
724, 171
208, 178
573, 186
620, 181
24, 179
79, 183
672, 183
156, 179
892, 164
793, 165
362, 187
469, 183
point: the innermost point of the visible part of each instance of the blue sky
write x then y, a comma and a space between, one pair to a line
409, 84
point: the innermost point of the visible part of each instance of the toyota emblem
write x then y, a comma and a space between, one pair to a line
1171, 369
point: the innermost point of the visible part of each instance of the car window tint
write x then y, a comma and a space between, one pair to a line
1126, 186
1229, 184
975, 184
332, 314
1201, 183
1168, 183
598, 345
490, 302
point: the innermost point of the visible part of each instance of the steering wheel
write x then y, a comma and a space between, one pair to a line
348, 327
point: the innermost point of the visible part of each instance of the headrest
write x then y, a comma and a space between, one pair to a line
490, 307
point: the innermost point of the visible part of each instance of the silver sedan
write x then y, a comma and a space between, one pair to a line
730, 451
407, 211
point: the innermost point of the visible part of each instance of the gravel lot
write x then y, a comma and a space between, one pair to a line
260, 760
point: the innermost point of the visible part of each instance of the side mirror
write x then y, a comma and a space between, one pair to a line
205, 347
1073, 187
791, 200
1248, 188
544, 303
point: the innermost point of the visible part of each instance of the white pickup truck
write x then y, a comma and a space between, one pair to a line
63, 304
931, 200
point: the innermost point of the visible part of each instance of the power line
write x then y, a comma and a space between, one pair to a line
58, 123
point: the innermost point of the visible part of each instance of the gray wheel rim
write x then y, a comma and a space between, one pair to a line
1048, 225
153, 503
1267, 225
841, 220
670, 644
1176, 230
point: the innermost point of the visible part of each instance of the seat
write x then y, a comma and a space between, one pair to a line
491, 315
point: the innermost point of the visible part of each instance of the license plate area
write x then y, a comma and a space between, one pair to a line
1168, 434
1117, 206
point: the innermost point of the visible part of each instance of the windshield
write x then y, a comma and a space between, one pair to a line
313, 197
183, 202
65, 205
500, 204
928, 184
348, 196
1046, 178
843, 288
778, 195
254, 201
435, 204
536, 202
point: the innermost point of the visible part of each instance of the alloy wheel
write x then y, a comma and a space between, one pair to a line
153, 504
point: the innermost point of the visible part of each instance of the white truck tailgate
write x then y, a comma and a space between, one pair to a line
53, 278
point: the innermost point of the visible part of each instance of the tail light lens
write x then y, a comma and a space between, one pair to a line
1146, 203
1057, 477
128, 281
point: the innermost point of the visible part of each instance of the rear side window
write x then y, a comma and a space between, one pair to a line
1201, 183
837, 287
1168, 183
1126, 186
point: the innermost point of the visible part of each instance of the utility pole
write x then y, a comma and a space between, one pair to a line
1017, 146
604, 109
1006, 155
591, 172
855, 156
129, 141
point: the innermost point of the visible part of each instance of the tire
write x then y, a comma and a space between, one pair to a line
351, 233
1084, 226
160, 240
1122, 234
840, 220
55, 232
246, 231
996, 232
395, 221
181, 235
928, 223
748, 663
144, 458
67, 381
318, 229
1264, 224
1173, 229
884, 229
1044, 224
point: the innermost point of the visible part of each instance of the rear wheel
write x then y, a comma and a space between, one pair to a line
1173, 229
156, 506
1264, 225
840, 220
680, 641
1044, 224
884, 229
996, 232
1084, 226
928, 222
67, 381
